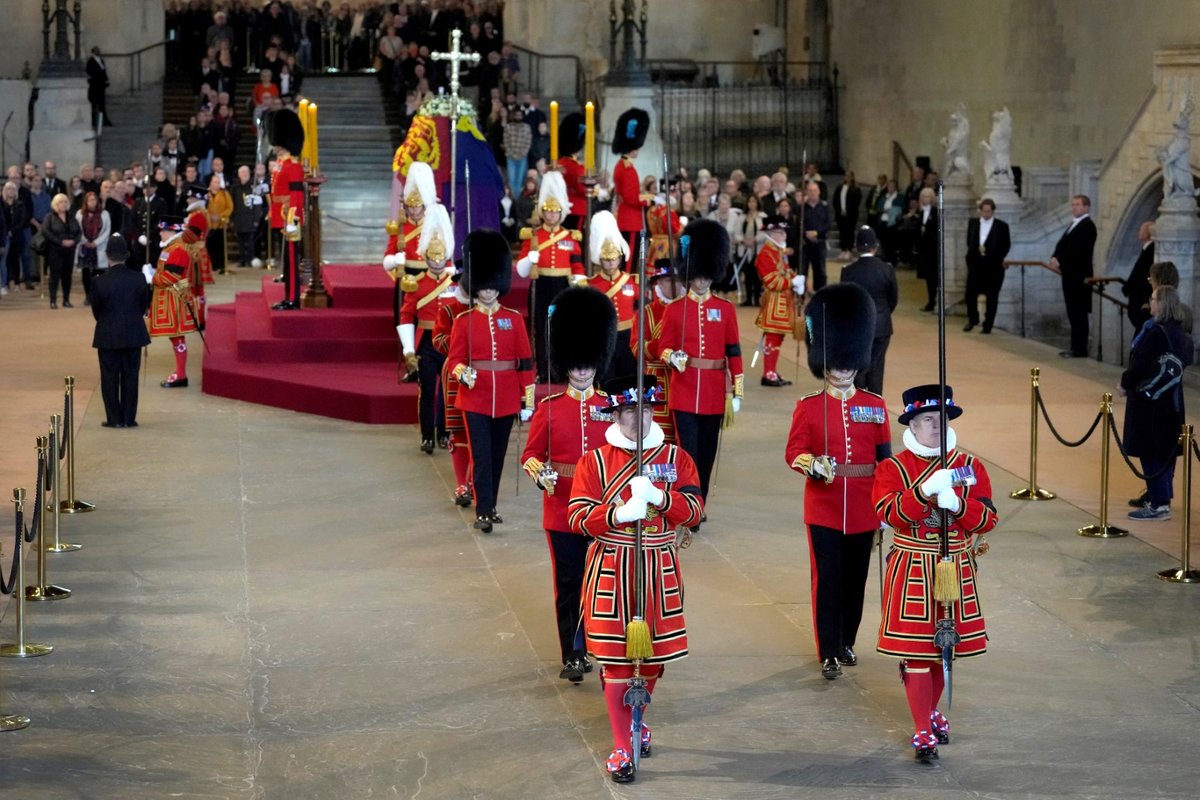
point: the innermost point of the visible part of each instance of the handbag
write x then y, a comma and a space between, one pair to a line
1168, 375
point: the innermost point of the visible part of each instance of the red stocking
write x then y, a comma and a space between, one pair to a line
918, 685
620, 716
180, 345
771, 345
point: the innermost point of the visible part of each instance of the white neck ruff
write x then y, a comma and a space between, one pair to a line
654, 437
913, 446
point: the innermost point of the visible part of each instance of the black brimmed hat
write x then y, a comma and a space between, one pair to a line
920, 399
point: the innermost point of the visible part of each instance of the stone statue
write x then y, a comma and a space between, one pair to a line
1176, 159
997, 159
958, 162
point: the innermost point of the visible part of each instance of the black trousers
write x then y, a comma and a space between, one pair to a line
119, 370
840, 563
542, 293
215, 245
247, 245
1079, 304
489, 443
872, 379
700, 435
430, 409
985, 281
59, 264
568, 552
289, 264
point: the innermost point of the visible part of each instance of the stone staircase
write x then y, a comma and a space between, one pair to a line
136, 118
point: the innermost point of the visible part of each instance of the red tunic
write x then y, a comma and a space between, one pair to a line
287, 191
421, 306
601, 484
172, 291
564, 427
559, 255
707, 330
660, 236
627, 196
849, 431
623, 293
573, 174
496, 343
655, 311
778, 310
442, 327
909, 611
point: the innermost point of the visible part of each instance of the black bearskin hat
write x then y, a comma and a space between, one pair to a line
631, 130
488, 262
284, 130
840, 325
583, 330
703, 251
570, 134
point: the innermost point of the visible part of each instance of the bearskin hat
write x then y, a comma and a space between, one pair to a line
703, 251
582, 330
840, 325
631, 130
284, 130
571, 134
488, 262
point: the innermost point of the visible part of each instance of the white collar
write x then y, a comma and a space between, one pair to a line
652, 439
461, 295
1079, 219
776, 244
913, 446
666, 301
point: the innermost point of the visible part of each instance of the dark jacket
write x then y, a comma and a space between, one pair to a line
927, 244
1152, 427
995, 248
57, 232
853, 201
1074, 251
1137, 288
120, 298
878, 277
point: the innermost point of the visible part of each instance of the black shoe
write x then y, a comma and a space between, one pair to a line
131, 424
108, 424
927, 307
495, 518
67, 304
1067, 354
776, 381
285, 305
462, 497
572, 671
174, 383
588, 666
926, 754
1140, 500
830, 669
970, 326
53, 304
427, 446
848, 657
483, 523
277, 279
444, 442
986, 329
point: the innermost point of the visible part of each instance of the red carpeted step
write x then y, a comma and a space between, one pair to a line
358, 286
265, 336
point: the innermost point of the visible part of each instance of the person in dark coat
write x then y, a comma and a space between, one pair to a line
62, 233
926, 221
878, 277
988, 244
1072, 260
120, 299
1136, 287
846, 201
97, 80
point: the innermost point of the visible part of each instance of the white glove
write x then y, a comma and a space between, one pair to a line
148, 271
524, 267
938, 482
643, 489
683, 221
798, 284
547, 480
254, 200
737, 404
679, 360
821, 468
291, 228
533, 256
142, 240
407, 334
526, 414
633, 509
949, 500
389, 263
450, 271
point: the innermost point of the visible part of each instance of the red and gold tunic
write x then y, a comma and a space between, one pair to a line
421, 306
564, 427
627, 196
573, 174
850, 431
171, 303
287, 191
442, 327
660, 236
559, 254
778, 311
707, 330
601, 484
910, 613
622, 290
202, 274
496, 344
655, 311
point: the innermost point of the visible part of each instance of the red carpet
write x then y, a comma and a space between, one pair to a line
337, 362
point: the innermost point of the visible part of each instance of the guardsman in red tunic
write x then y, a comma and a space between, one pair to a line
777, 312
404, 264
489, 354
571, 135
837, 437
456, 427
418, 315
909, 490
172, 307
609, 252
565, 426
667, 289
607, 499
287, 200
700, 342
628, 199
552, 256
664, 226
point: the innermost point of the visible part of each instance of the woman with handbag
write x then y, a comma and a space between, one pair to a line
94, 229
61, 232
1152, 387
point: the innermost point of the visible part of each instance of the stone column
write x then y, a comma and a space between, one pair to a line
1178, 240
960, 202
62, 123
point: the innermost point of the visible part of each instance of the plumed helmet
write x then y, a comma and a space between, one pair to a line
437, 234
703, 251
487, 261
606, 240
284, 130
419, 189
583, 330
631, 130
552, 196
840, 325
571, 134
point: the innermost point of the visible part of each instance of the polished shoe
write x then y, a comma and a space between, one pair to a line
848, 658
444, 442
427, 446
572, 670
620, 767
986, 329
495, 518
462, 496
483, 523
588, 666
285, 305
773, 379
941, 727
925, 745
67, 304
108, 424
1140, 500
830, 669
277, 279
970, 326
174, 383
131, 424
647, 750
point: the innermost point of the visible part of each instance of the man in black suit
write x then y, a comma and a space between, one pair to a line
148, 210
50, 180
846, 201
97, 79
1072, 260
926, 229
120, 298
1137, 286
878, 277
988, 244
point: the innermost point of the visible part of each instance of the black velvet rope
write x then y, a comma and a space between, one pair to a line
1195, 450
348, 223
1170, 463
65, 427
39, 497
7, 587
1046, 416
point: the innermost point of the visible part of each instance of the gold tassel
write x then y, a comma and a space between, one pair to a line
638, 646
945, 581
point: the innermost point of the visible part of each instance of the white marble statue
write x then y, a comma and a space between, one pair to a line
1176, 158
997, 159
958, 162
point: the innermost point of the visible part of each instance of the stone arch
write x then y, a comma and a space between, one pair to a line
1123, 248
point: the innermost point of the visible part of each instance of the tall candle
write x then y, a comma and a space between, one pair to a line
589, 137
553, 131
303, 154
312, 131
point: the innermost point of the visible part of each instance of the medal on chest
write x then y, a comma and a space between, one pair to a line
504, 324
661, 473
867, 414
712, 314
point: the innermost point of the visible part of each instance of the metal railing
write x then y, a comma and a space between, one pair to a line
1021, 265
899, 155
535, 66
1097, 285
763, 72
135, 63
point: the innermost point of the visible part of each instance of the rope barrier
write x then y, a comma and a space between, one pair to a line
1170, 464
7, 587
68, 424
350, 224
1196, 450
1054, 431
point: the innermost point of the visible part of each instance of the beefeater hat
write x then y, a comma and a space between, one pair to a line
840, 324
488, 262
703, 251
607, 242
630, 134
583, 330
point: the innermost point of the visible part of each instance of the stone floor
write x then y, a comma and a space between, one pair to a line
273, 605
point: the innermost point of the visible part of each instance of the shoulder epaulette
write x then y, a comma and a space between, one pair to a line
409, 288
872, 394
577, 235
601, 393
552, 396
526, 234
812, 394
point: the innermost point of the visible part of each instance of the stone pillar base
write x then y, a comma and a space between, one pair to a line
62, 123
618, 99
959, 200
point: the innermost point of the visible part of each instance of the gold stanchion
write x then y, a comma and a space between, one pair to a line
1185, 573
70, 505
1032, 492
1103, 530
43, 590
21, 648
55, 505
